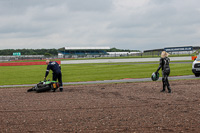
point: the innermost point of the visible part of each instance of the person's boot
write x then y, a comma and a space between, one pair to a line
163, 90
169, 89
61, 89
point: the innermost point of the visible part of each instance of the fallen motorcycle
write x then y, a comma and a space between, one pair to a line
44, 86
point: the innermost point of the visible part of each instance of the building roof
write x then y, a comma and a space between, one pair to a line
85, 48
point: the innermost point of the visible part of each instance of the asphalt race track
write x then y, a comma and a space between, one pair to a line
122, 60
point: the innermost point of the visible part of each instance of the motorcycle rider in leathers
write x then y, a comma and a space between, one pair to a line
164, 64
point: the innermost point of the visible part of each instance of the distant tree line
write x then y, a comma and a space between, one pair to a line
47, 52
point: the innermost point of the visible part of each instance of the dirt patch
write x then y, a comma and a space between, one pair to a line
117, 107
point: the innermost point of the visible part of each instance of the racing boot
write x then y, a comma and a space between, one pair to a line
169, 89
163, 90
61, 89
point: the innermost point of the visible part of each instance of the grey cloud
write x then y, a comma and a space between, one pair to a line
162, 20
89, 5
160, 2
156, 24
19, 7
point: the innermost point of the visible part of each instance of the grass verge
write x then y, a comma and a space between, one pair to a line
13, 75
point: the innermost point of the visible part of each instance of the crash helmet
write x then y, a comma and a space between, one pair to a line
155, 76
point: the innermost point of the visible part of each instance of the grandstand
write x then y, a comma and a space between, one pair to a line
173, 50
73, 52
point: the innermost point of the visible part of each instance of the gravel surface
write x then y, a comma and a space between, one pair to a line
115, 107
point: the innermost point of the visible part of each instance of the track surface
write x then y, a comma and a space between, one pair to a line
124, 107
122, 60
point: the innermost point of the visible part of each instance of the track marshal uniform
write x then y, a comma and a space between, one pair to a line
57, 75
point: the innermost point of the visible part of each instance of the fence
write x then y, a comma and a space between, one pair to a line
24, 57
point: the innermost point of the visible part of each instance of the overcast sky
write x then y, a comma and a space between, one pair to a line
124, 24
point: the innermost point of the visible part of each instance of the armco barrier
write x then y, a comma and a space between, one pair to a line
25, 63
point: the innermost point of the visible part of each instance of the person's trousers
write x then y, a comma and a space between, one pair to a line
58, 76
165, 79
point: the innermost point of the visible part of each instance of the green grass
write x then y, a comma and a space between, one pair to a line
11, 75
